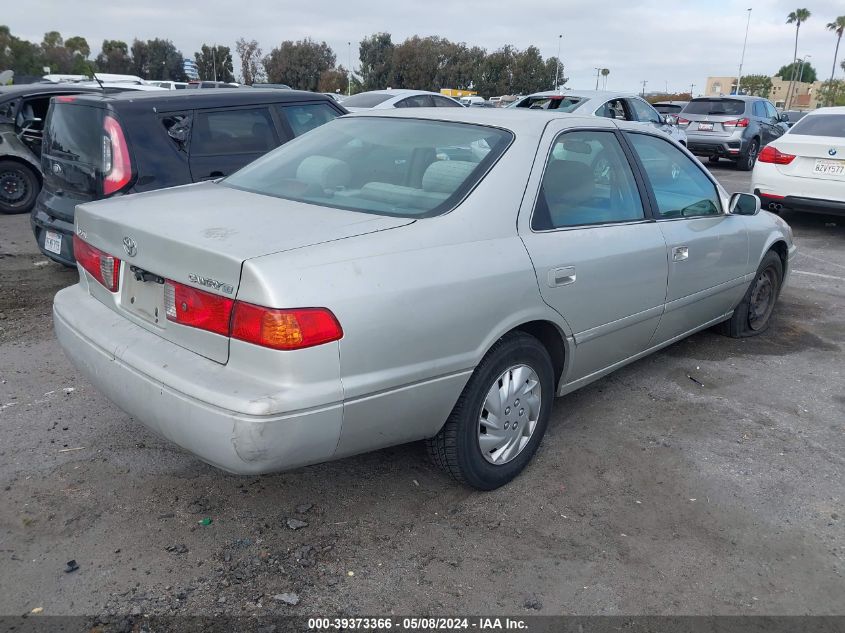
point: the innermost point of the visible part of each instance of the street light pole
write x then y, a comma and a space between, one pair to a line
742, 59
349, 71
644, 82
557, 69
214, 61
691, 86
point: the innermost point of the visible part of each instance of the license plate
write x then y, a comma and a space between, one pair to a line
53, 242
705, 127
830, 167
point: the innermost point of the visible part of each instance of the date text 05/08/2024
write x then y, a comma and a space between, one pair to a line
418, 624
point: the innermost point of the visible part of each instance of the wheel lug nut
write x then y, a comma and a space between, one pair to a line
522, 412
507, 410
506, 424
516, 402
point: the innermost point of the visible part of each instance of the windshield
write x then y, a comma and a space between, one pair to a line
820, 125
732, 107
554, 102
366, 100
399, 167
667, 108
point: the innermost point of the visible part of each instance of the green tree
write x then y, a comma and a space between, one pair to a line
299, 64
757, 85
496, 72
376, 56
211, 57
807, 72
165, 61
797, 17
832, 92
838, 28
250, 53
140, 58
335, 80
604, 73
79, 50
529, 71
56, 54
114, 58
553, 68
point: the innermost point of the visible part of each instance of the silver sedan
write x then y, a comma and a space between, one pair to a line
404, 275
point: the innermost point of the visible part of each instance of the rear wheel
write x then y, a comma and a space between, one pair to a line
501, 416
752, 315
18, 187
747, 161
713, 160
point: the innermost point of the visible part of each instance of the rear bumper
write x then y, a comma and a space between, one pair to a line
136, 370
41, 221
802, 203
724, 147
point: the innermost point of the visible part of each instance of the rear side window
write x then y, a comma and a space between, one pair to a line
821, 125
680, 186
759, 110
306, 116
563, 104
366, 100
770, 110
417, 101
587, 180
224, 132
731, 107
443, 102
75, 132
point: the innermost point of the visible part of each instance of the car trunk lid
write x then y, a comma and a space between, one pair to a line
199, 236
709, 116
812, 157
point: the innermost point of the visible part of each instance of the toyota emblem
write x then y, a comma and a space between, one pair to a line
130, 246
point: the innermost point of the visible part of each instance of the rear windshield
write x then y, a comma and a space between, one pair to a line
365, 100
820, 125
385, 166
74, 132
562, 104
715, 106
667, 108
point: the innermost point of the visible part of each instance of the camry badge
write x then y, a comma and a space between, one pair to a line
130, 246
832, 151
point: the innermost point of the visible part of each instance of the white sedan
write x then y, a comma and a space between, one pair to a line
381, 99
804, 170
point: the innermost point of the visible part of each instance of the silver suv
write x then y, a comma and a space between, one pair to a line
731, 127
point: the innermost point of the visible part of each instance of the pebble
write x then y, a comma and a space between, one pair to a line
295, 524
304, 507
288, 598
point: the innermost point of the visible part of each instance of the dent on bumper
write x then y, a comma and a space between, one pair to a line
229, 438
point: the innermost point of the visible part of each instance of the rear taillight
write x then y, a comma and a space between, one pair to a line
197, 308
117, 167
736, 123
287, 329
65, 99
284, 329
103, 267
773, 155
683, 122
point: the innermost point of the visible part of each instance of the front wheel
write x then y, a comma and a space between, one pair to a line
752, 315
18, 187
747, 161
501, 416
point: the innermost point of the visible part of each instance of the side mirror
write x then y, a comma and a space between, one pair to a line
744, 204
783, 117
670, 119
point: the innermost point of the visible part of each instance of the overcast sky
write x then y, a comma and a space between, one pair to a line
674, 42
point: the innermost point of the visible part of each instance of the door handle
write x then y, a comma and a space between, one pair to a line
680, 253
562, 276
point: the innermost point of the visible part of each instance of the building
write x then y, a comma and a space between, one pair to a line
805, 96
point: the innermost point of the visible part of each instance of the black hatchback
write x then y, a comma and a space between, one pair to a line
98, 146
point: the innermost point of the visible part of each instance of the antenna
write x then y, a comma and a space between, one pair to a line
97, 79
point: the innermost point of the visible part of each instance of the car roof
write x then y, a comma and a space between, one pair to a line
670, 103
584, 94
829, 110
396, 92
168, 100
22, 90
739, 97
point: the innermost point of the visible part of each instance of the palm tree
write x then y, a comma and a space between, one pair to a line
605, 72
838, 27
797, 17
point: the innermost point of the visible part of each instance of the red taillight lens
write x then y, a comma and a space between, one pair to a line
196, 308
117, 167
773, 155
65, 99
736, 123
102, 266
284, 329
683, 121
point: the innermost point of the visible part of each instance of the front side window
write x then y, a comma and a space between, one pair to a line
306, 116
759, 110
680, 186
417, 101
386, 166
644, 112
614, 109
770, 110
587, 180
232, 132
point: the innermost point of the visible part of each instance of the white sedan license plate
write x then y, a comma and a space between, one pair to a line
53, 242
705, 127
830, 167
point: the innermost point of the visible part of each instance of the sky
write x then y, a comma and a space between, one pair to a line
668, 43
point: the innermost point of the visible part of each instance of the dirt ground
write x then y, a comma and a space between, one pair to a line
652, 493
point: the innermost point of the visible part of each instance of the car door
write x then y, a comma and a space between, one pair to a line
224, 140
599, 257
707, 249
760, 115
779, 128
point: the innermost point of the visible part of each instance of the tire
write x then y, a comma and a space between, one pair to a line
516, 359
750, 318
747, 161
713, 160
19, 187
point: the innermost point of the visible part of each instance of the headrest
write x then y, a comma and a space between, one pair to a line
323, 171
568, 181
445, 176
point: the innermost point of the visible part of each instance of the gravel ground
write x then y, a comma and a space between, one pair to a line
651, 494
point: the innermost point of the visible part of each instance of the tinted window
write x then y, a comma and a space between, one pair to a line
563, 104
770, 110
587, 181
644, 111
760, 110
715, 106
232, 132
307, 116
443, 102
680, 186
366, 100
386, 166
417, 101
821, 125
667, 108
75, 133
